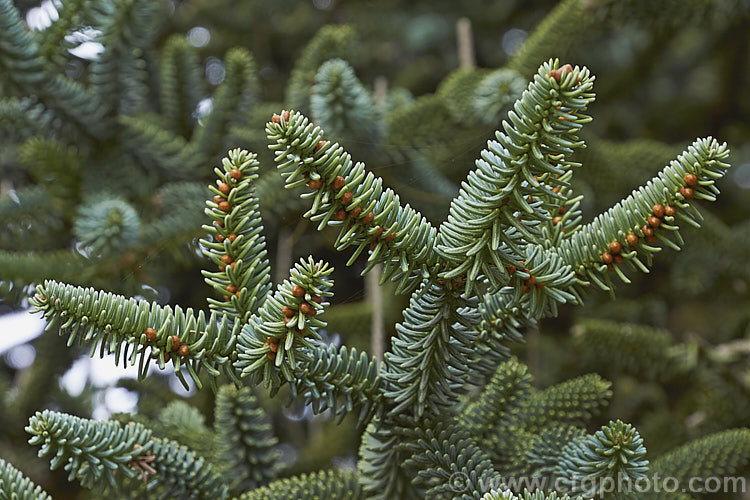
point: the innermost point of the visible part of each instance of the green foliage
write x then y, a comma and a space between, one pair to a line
19, 56
329, 42
719, 454
237, 245
267, 348
340, 104
615, 452
239, 90
106, 224
633, 349
15, 486
400, 237
247, 446
333, 485
446, 454
115, 324
511, 252
523, 163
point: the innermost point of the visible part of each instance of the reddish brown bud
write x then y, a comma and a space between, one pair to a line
224, 188
647, 231
355, 212
315, 184
511, 269
687, 193
651, 239
226, 259
219, 237
632, 239
531, 281
368, 218
276, 118
653, 221
271, 355
150, 334
219, 199
338, 182
658, 210
288, 311
690, 179
563, 209
346, 198
231, 289
183, 350
619, 259
232, 237
378, 232
317, 299
285, 114
669, 211
307, 309
607, 258
175, 342
390, 237
235, 174
556, 220
340, 215
319, 145
615, 247
298, 291
225, 206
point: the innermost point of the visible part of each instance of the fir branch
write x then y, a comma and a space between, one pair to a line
720, 454
14, 485
495, 93
341, 105
381, 456
569, 22
53, 46
90, 451
23, 118
345, 195
106, 455
457, 93
501, 322
637, 350
340, 380
119, 75
78, 105
631, 231
328, 484
106, 225
182, 85
159, 148
238, 246
138, 331
21, 64
427, 367
615, 452
330, 42
571, 402
247, 447
25, 267
445, 454
498, 205
57, 166
275, 338
509, 386
238, 91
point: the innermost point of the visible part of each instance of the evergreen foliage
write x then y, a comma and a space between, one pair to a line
448, 411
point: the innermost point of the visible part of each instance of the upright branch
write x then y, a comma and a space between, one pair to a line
346, 196
504, 202
237, 246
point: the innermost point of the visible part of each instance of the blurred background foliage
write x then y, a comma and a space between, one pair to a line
104, 160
